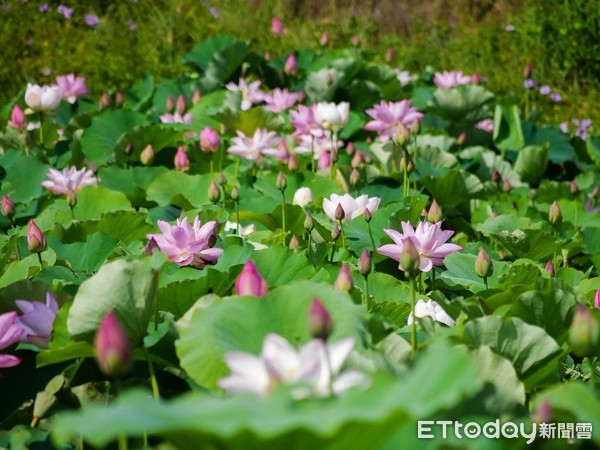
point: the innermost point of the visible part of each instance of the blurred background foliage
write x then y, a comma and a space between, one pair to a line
560, 38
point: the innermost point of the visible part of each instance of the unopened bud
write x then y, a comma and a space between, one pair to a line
112, 347
597, 300
196, 97
147, 155
354, 177
409, 258
119, 99
506, 185
350, 149
402, 134
584, 333
357, 160
364, 263
235, 195
291, 65
573, 187
319, 320
484, 267
340, 214
476, 78
461, 138
554, 215
356, 40
550, 269
221, 178
181, 106
389, 55
104, 101
214, 193
249, 282
293, 164
182, 162
527, 71
170, 103
324, 39
435, 213
543, 413
367, 215
8, 207
309, 224
344, 282
281, 182
415, 127
294, 242
128, 148
36, 240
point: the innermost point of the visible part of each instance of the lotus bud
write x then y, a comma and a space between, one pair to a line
209, 140
496, 176
350, 149
43, 402
36, 241
415, 127
573, 187
181, 106
329, 80
324, 161
324, 39
484, 267
281, 182
112, 347
214, 193
72, 199
367, 215
150, 247
182, 162
267, 56
340, 214
335, 233
294, 243
277, 28
104, 101
367, 159
506, 185
235, 195
249, 282
293, 164
221, 178
119, 99
555, 215
406, 163
409, 258
17, 118
291, 65
170, 103
527, 71
401, 134
8, 207
344, 282
389, 55
356, 40
364, 263
196, 97
309, 224
128, 149
147, 155
435, 213
543, 413
319, 320
550, 269
476, 78
584, 333
597, 299
357, 160
334, 155
424, 213
354, 177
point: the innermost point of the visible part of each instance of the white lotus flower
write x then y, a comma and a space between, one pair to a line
352, 207
332, 116
433, 310
303, 197
43, 98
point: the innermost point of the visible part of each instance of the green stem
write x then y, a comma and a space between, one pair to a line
212, 166
122, 442
593, 373
222, 153
433, 279
40, 260
41, 130
394, 158
283, 214
312, 154
237, 167
309, 244
237, 217
366, 296
485, 282
413, 301
371, 236
343, 235
153, 382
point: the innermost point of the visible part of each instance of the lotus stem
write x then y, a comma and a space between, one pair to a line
153, 382
413, 301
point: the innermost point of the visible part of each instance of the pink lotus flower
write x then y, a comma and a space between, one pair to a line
450, 79
389, 116
209, 140
69, 181
324, 161
281, 99
277, 28
352, 207
318, 145
263, 142
17, 118
249, 282
429, 240
597, 299
37, 320
72, 87
404, 77
486, 125
10, 333
177, 118
304, 122
251, 92
185, 244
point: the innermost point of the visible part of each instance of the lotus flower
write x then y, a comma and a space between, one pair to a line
430, 309
316, 366
10, 333
43, 98
352, 207
177, 118
404, 77
429, 240
251, 92
185, 244
303, 196
244, 231
332, 116
209, 140
263, 142
304, 122
281, 99
249, 282
317, 145
486, 125
71, 87
69, 181
391, 115
37, 320
450, 79
277, 28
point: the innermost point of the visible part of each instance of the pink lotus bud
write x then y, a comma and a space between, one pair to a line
597, 300
214, 193
249, 282
181, 106
527, 71
364, 263
281, 182
36, 241
461, 138
104, 101
584, 333
8, 207
324, 161
389, 55
550, 269
112, 347
267, 56
209, 140
170, 103
293, 164
554, 215
221, 178
335, 233
350, 149
354, 177
17, 118
484, 267
543, 413
424, 213
357, 160
291, 65
340, 214
435, 213
294, 242
367, 215
506, 185
319, 320
196, 97
128, 148
150, 247
496, 176
277, 28
356, 40
119, 98
409, 258
476, 78
182, 162
235, 195
324, 39
401, 135
147, 155
573, 187
309, 224
344, 282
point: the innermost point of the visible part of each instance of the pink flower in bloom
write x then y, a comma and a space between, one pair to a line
318, 145
429, 240
69, 180
277, 28
388, 116
450, 79
71, 87
304, 122
486, 125
10, 333
597, 299
352, 207
17, 118
185, 244
263, 142
281, 99
433, 310
37, 320
251, 92
177, 118
249, 282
